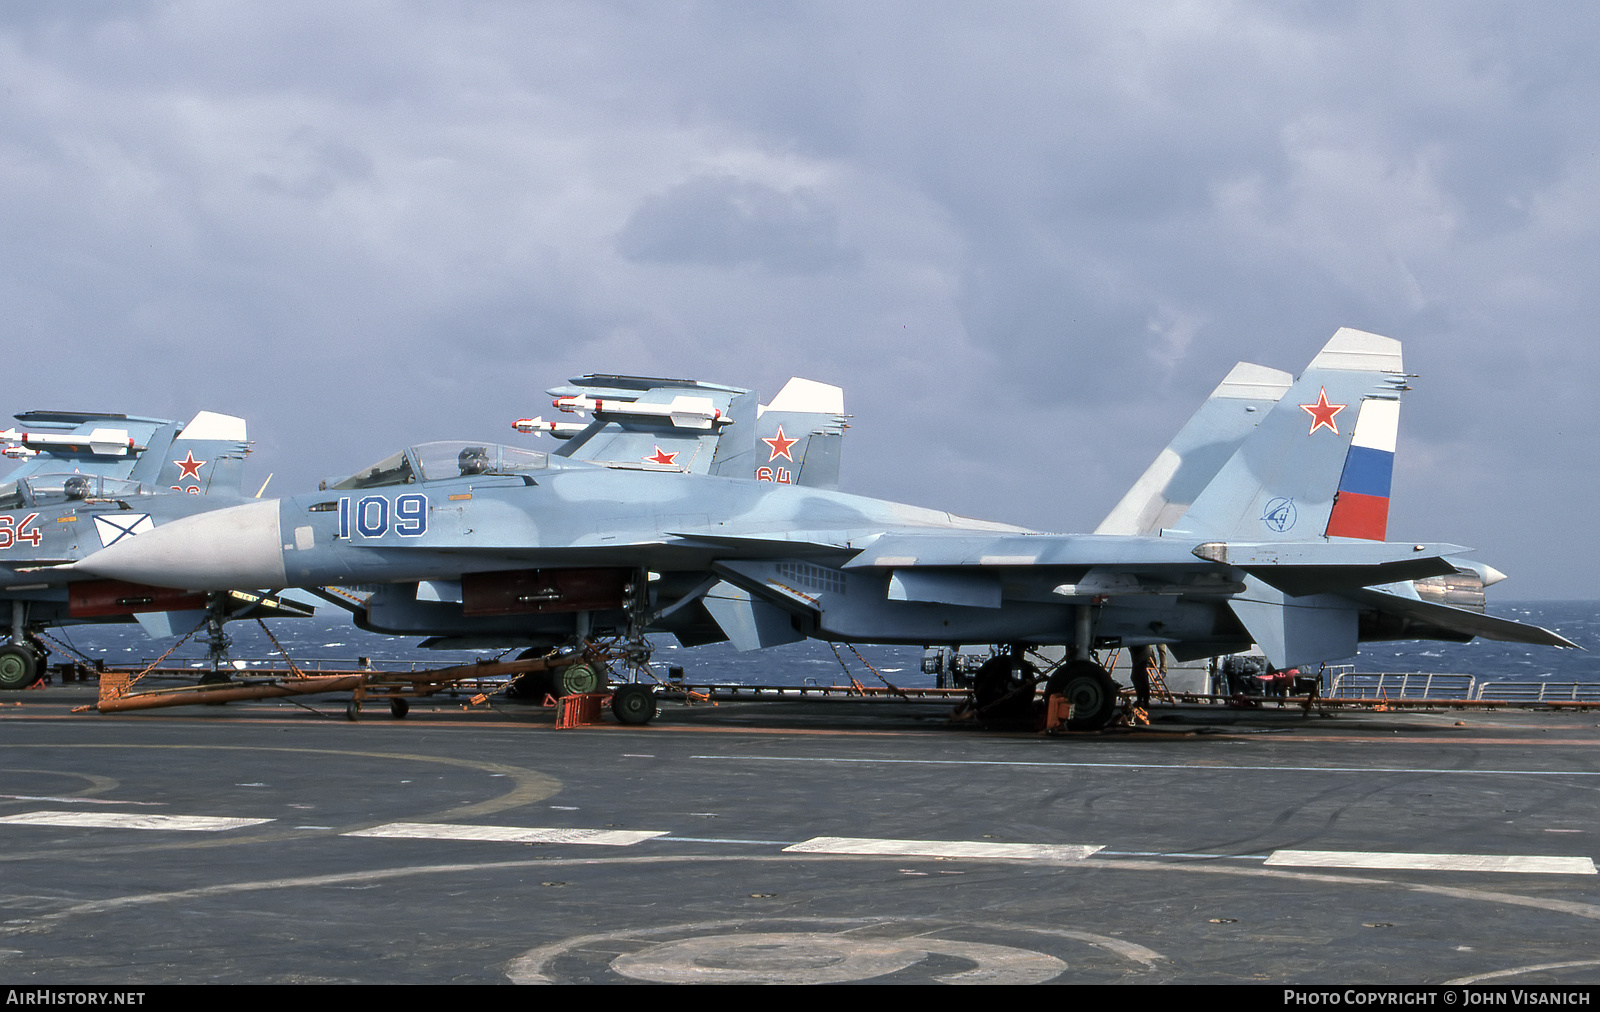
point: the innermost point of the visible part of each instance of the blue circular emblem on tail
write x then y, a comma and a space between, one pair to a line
1279, 515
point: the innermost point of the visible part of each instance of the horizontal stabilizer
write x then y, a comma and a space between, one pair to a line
1458, 620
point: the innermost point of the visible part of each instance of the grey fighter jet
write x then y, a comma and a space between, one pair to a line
92, 479
1279, 541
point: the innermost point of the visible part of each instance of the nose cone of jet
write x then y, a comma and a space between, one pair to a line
227, 549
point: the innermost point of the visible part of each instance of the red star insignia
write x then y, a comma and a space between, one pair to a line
780, 446
1322, 412
188, 467
662, 457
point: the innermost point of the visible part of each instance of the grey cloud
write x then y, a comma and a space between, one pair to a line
402, 218
722, 221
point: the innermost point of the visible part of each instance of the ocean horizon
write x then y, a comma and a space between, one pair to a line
330, 636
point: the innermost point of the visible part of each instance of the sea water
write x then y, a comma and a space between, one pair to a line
330, 636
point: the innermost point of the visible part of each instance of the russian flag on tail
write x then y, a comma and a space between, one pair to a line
1361, 507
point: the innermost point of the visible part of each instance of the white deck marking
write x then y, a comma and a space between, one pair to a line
507, 834
1176, 767
118, 820
944, 848
1524, 863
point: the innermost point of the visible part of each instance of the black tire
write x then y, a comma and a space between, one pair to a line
532, 686
1002, 689
399, 707
633, 704
1091, 692
19, 667
352, 710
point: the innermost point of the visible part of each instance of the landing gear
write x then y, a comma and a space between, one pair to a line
19, 666
576, 679
633, 704
1002, 689
217, 641
570, 680
1090, 690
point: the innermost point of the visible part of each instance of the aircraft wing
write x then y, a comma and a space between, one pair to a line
1297, 569
650, 423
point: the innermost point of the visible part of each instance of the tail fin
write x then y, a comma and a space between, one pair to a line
1319, 463
799, 436
1211, 436
205, 458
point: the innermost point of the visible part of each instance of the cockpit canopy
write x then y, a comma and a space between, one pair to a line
450, 458
52, 489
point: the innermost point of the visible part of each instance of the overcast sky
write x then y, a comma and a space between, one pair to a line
1027, 238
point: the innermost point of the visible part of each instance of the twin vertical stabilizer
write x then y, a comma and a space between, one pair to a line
1319, 463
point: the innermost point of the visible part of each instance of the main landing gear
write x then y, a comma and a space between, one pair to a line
586, 666
1004, 691
1090, 690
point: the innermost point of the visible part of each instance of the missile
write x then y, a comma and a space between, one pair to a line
560, 430
101, 442
684, 412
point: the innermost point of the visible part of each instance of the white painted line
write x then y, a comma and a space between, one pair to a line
1524, 863
1176, 767
507, 834
944, 848
117, 820
113, 801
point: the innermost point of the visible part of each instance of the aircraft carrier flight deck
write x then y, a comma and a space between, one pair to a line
270, 842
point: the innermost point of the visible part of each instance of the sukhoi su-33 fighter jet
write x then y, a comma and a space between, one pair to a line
91, 479
636, 423
1269, 529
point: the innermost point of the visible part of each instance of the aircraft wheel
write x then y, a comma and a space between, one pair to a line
399, 707
19, 667
633, 704
533, 685
998, 695
1091, 692
575, 679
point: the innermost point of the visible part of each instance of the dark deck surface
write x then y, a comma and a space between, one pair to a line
1199, 822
